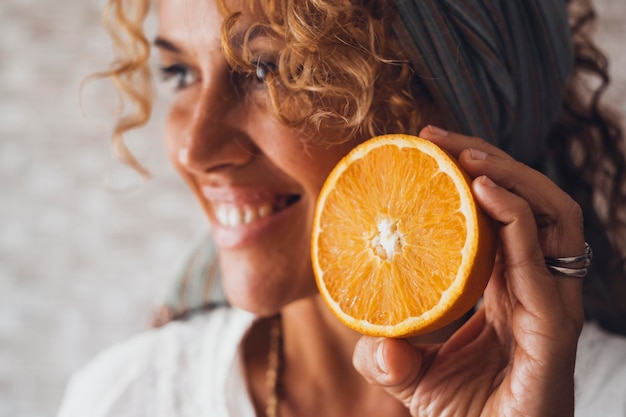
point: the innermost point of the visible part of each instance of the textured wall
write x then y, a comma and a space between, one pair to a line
81, 262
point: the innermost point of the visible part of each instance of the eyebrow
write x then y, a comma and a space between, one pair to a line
162, 43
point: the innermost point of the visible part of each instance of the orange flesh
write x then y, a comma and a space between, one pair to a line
382, 220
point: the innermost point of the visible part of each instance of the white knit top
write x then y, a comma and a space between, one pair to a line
194, 369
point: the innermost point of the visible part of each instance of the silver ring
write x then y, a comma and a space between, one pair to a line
562, 265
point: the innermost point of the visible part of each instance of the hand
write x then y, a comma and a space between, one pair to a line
515, 356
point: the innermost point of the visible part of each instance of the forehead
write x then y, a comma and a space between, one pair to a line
201, 20
197, 20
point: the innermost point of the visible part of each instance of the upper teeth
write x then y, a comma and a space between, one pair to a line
231, 215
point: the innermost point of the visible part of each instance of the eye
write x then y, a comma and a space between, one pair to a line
264, 69
183, 76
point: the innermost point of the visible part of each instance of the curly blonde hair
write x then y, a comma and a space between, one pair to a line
129, 71
341, 70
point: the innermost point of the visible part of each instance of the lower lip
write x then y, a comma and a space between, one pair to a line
237, 237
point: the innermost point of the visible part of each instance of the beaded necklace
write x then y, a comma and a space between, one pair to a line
274, 366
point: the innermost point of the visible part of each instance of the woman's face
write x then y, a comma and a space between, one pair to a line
256, 179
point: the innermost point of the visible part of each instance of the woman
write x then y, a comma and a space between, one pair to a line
269, 96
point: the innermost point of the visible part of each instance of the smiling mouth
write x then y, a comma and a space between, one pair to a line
233, 215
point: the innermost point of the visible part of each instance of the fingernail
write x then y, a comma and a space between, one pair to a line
380, 359
487, 181
437, 130
478, 155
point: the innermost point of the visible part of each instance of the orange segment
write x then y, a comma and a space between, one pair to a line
399, 247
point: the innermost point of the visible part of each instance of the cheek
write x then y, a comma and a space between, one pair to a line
323, 160
307, 162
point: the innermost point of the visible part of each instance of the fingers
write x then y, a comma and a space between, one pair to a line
538, 218
552, 299
520, 246
455, 143
554, 215
558, 217
393, 364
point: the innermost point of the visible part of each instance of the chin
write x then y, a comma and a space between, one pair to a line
263, 291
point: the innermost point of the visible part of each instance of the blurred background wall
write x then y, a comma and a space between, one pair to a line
85, 248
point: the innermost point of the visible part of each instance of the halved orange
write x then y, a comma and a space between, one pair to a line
399, 246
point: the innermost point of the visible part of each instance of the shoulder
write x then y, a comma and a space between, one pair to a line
165, 371
600, 373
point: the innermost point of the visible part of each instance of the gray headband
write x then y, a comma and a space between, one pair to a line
496, 68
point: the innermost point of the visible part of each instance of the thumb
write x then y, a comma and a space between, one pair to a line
394, 364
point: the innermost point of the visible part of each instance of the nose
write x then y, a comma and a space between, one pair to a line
213, 135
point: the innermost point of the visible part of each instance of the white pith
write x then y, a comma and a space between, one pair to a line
389, 240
